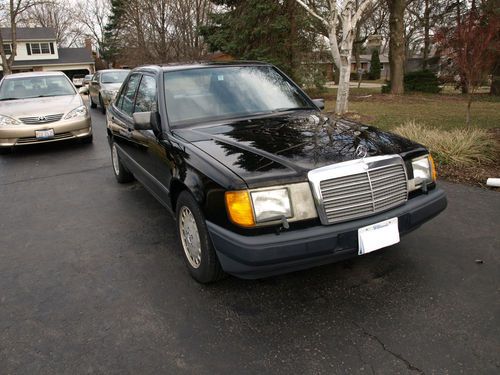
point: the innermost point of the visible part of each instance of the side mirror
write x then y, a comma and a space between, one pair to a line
320, 103
83, 90
142, 120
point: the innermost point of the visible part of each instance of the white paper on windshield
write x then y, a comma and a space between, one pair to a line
377, 236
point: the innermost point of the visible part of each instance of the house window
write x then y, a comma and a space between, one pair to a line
45, 47
35, 48
40, 48
7, 48
382, 67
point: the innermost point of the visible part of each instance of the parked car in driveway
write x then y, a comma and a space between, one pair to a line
41, 107
78, 80
104, 86
259, 180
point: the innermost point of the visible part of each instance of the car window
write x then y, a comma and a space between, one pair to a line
36, 86
146, 95
114, 77
126, 100
206, 94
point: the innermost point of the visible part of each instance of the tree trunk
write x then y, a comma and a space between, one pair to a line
469, 103
291, 7
343, 90
345, 50
495, 79
336, 74
357, 51
5, 64
427, 38
396, 45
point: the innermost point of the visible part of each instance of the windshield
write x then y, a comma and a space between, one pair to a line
207, 94
33, 87
114, 77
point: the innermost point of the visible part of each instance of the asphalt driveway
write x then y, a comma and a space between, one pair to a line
92, 281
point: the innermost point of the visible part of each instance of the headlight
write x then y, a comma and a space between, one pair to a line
7, 121
77, 112
269, 206
424, 171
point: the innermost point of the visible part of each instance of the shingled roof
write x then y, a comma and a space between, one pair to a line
29, 33
66, 56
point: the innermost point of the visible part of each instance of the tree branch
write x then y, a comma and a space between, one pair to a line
313, 13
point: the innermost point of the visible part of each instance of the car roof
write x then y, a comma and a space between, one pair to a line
197, 65
113, 70
33, 74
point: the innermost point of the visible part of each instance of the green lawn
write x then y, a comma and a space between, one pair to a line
445, 111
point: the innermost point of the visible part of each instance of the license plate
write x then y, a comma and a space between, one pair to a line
377, 236
44, 134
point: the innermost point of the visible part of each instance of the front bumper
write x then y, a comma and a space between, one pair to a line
270, 254
65, 129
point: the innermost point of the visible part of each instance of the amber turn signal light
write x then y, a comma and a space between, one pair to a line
239, 208
433, 168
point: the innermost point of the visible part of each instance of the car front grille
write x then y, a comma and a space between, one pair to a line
360, 188
42, 119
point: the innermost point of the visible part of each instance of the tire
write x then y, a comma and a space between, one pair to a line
121, 173
201, 261
92, 104
103, 108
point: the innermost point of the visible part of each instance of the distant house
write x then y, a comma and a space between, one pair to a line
412, 64
365, 61
37, 50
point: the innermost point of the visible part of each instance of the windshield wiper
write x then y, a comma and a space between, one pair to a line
9, 99
285, 109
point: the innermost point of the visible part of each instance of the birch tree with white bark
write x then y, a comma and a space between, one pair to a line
340, 18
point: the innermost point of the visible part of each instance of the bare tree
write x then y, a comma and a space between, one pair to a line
14, 9
471, 45
423, 18
158, 31
58, 15
341, 20
396, 44
374, 22
93, 16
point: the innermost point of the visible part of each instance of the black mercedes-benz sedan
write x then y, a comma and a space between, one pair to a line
259, 180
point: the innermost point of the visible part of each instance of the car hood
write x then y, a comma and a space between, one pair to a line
40, 106
285, 147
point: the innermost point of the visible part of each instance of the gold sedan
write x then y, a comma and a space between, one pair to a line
41, 107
